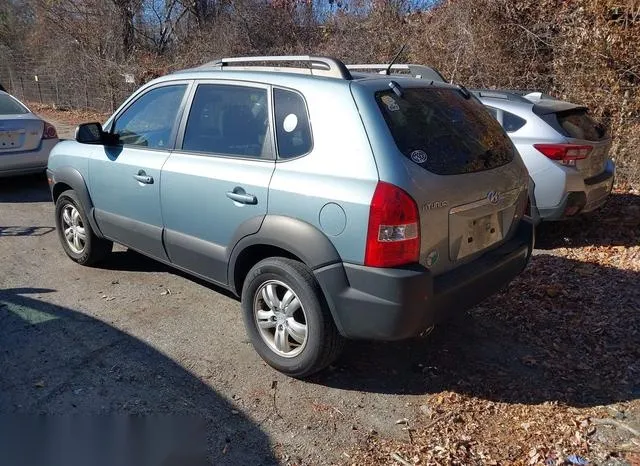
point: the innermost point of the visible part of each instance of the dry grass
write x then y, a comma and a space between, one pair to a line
68, 116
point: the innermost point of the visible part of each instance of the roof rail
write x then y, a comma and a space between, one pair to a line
417, 71
317, 66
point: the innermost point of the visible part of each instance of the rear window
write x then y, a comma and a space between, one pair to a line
10, 106
579, 125
443, 132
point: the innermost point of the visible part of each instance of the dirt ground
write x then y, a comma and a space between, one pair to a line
547, 369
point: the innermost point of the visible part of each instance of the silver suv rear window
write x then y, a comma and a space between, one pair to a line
444, 132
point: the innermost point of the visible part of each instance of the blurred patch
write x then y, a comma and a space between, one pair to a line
102, 440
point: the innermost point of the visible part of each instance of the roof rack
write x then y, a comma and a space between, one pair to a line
316, 66
417, 71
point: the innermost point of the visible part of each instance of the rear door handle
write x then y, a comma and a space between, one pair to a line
239, 195
142, 177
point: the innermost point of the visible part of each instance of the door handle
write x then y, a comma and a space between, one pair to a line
239, 195
142, 177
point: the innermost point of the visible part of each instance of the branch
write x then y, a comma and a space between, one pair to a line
532, 34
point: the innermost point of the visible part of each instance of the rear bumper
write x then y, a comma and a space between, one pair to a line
23, 163
598, 188
392, 304
591, 195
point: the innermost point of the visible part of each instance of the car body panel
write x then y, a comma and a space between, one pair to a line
200, 242
26, 162
127, 210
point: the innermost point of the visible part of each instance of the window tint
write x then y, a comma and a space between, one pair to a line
292, 124
512, 122
10, 106
150, 120
443, 132
579, 125
229, 120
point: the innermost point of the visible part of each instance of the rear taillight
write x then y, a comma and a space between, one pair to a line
49, 131
393, 237
566, 154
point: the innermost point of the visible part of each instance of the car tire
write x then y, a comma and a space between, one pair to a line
76, 235
274, 319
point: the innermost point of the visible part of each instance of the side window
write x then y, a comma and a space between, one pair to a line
229, 120
512, 122
150, 120
292, 124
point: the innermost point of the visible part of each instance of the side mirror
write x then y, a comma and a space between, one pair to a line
92, 133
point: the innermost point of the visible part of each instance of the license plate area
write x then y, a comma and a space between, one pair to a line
479, 225
478, 234
10, 140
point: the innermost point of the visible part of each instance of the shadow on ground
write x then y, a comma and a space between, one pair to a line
32, 188
59, 361
132, 261
564, 331
25, 231
616, 224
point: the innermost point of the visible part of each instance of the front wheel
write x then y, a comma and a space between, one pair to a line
78, 239
287, 319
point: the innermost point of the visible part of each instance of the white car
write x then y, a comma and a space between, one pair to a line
25, 139
564, 149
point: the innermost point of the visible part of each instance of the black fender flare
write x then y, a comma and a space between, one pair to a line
73, 178
290, 234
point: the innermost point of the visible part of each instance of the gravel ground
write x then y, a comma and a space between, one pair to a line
520, 380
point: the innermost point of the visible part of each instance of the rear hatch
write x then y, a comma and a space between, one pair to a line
20, 130
579, 128
459, 166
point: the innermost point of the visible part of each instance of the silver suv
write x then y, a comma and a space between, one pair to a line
335, 204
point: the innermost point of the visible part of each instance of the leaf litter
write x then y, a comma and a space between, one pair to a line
576, 310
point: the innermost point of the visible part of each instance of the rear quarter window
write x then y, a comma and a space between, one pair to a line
511, 122
444, 132
293, 131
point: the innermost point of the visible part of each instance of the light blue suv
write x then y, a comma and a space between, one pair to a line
335, 204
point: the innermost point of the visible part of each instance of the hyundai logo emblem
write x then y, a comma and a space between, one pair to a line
494, 197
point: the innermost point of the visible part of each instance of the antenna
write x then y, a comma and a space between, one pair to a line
388, 70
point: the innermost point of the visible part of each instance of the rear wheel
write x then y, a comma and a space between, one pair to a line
287, 319
75, 233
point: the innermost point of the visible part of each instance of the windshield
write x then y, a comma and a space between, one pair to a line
10, 106
444, 132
